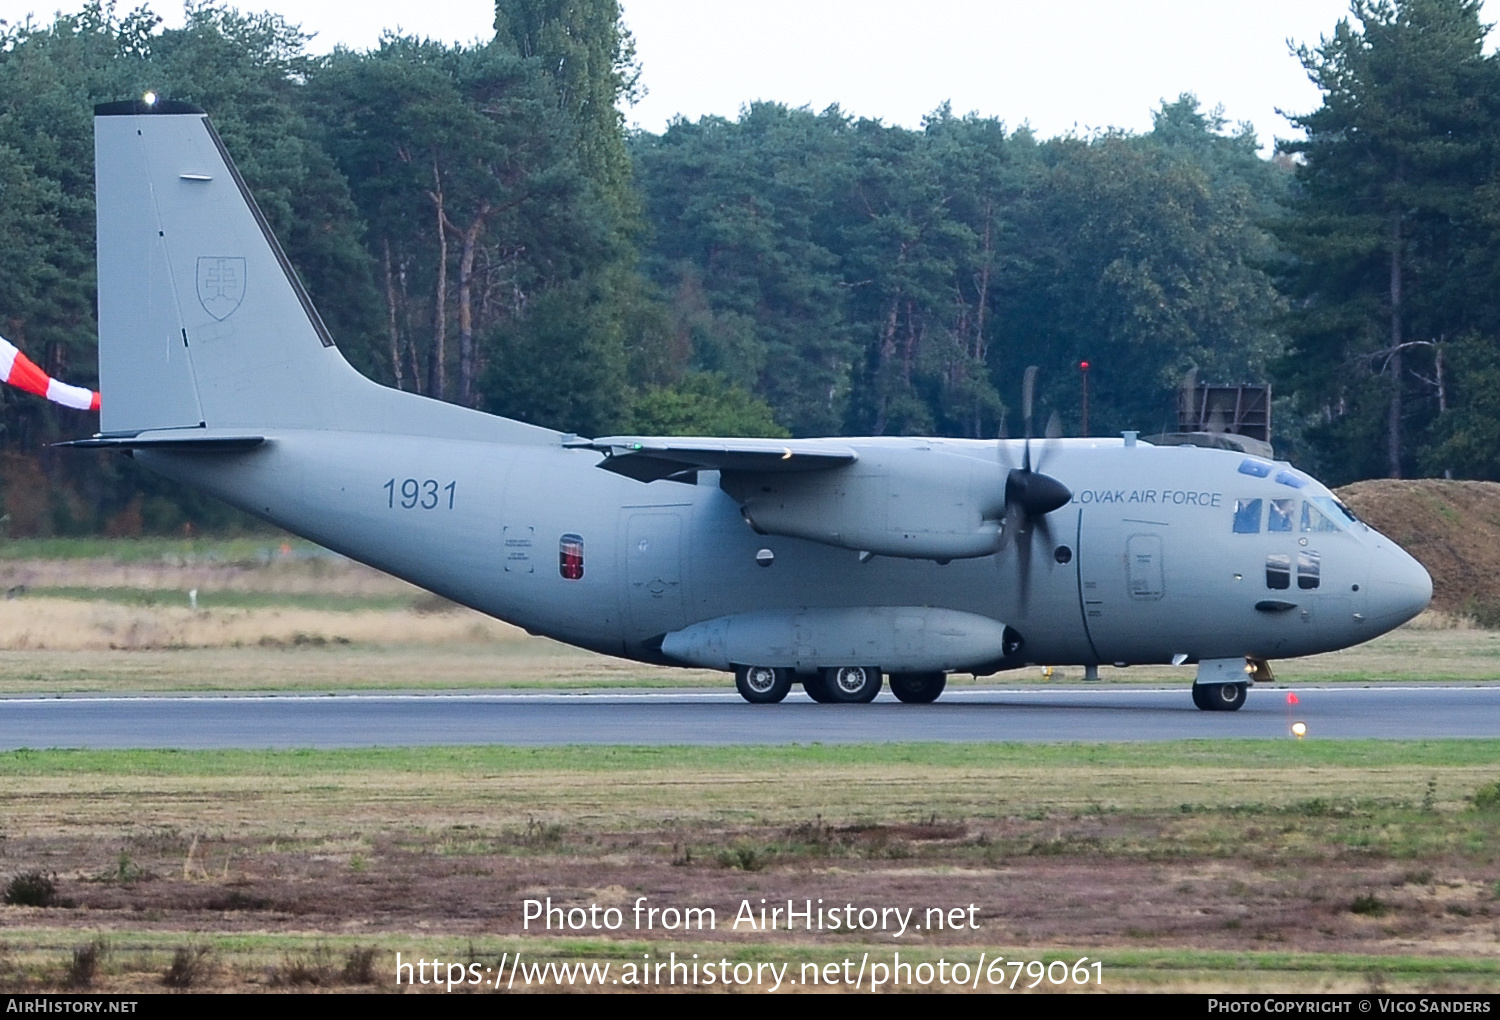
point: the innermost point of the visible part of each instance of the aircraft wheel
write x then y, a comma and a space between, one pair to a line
918, 688
762, 685
816, 688
1219, 697
851, 684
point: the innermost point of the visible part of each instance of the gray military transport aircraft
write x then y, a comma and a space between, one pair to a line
832, 563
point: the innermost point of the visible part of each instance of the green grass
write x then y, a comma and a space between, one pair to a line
789, 759
37, 958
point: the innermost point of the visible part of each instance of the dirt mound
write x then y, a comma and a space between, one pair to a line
1453, 528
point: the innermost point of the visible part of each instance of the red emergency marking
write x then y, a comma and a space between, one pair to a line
570, 557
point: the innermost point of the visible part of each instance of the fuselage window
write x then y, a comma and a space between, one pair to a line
1278, 571
1282, 515
1309, 565
1314, 519
1247, 517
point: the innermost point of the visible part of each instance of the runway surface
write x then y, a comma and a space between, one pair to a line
710, 717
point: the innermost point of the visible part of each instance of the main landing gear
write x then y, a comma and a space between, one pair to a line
848, 685
1219, 697
763, 685
918, 688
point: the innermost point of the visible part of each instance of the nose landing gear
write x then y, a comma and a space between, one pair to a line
1219, 697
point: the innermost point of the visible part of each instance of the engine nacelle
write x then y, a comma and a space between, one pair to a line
915, 502
897, 639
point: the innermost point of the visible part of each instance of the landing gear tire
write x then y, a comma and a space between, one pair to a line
816, 689
918, 688
762, 685
851, 684
1219, 697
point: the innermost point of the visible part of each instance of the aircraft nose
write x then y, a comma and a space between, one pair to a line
1399, 587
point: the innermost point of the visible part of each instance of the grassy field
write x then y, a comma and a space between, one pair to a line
1272, 866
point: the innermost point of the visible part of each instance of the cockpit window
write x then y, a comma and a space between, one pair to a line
1291, 478
1278, 571
1309, 566
1283, 512
1314, 519
1255, 468
1335, 508
1247, 514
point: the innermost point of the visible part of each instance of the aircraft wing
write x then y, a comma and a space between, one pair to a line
649, 458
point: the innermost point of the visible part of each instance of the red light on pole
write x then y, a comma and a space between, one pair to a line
1083, 366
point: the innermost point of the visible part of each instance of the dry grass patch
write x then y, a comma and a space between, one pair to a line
1452, 528
320, 575
69, 625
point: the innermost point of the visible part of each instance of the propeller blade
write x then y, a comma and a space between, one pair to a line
1044, 532
1028, 393
1023, 566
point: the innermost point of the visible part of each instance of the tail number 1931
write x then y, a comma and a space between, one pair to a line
426, 494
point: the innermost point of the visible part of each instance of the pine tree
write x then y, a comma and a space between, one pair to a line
1387, 175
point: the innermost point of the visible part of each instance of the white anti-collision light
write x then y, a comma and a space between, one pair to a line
149, 99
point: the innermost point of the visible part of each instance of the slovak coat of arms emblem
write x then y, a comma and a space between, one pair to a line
221, 285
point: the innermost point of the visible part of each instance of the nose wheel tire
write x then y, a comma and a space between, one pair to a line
851, 684
762, 685
918, 688
1219, 697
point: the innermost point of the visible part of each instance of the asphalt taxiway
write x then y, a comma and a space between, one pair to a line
712, 717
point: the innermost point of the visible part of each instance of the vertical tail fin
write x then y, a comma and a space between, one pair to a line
202, 320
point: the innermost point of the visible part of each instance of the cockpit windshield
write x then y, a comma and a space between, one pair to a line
1336, 509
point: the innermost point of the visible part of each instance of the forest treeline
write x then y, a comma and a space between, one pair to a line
475, 223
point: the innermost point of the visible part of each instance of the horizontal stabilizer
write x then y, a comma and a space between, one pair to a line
648, 458
185, 443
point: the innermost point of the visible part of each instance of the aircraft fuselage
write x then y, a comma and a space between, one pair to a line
1162, 553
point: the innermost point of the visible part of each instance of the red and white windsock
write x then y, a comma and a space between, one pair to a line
21, 372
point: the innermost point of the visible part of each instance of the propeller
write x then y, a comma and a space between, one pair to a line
1030, 495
